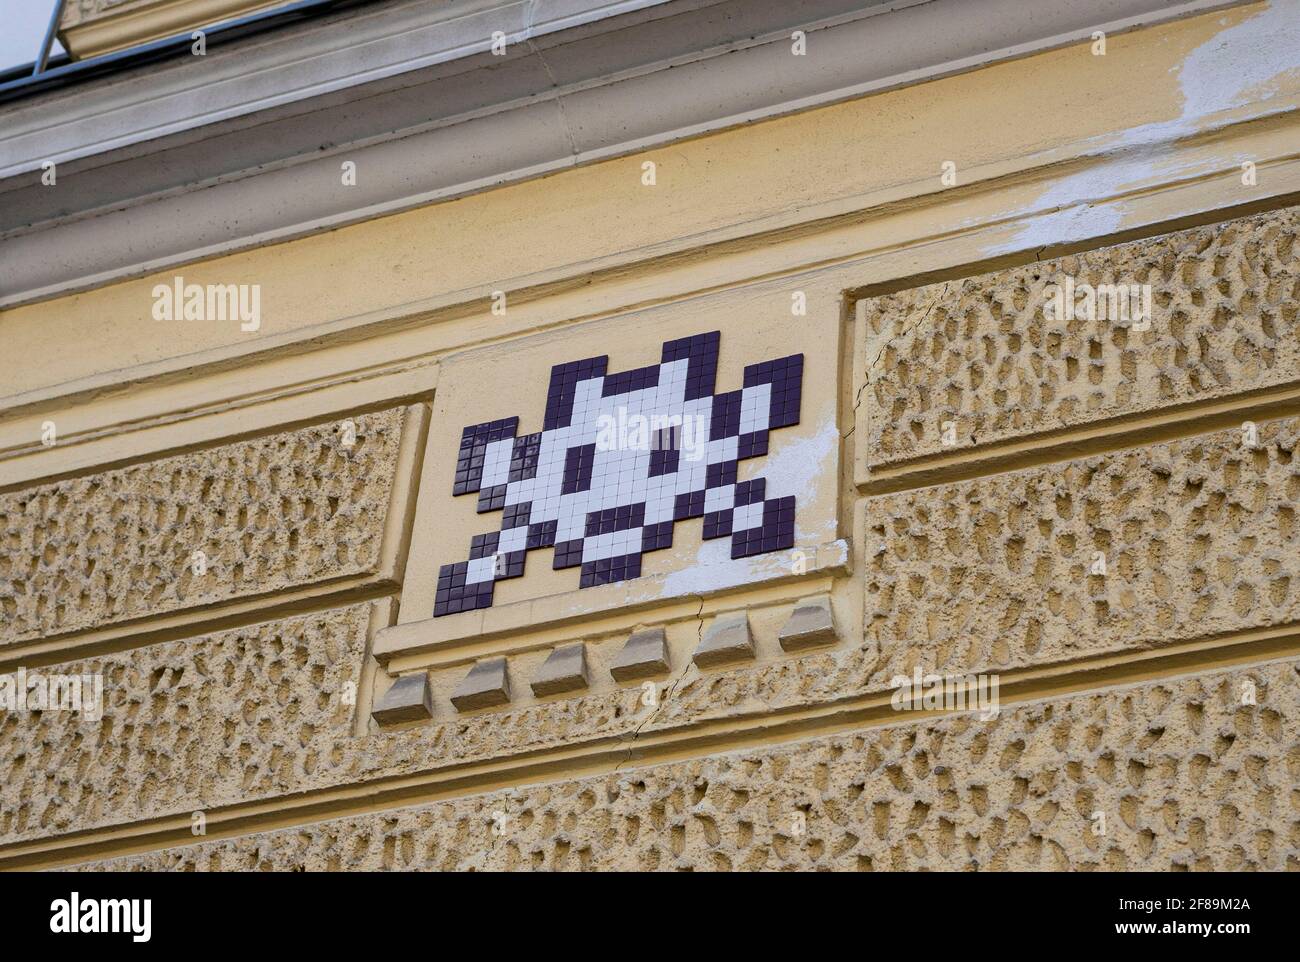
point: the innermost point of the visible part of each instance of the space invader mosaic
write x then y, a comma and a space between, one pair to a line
621, 458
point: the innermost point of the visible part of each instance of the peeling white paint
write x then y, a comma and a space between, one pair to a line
797, 467
1240, 67
715, 569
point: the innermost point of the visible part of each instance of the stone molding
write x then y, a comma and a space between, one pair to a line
616, 57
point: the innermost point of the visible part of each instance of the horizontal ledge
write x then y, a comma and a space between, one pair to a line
224, 614
116, 441
246, 194
696, 737
1173, 206
1079, 441
452, 633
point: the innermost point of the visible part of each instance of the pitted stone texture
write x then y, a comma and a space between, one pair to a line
816, 677
1199, 507
1199, 536
163, 753
268, 513
241, 714
1189, 779
979, 352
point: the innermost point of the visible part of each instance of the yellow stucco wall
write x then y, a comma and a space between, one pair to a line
964, 458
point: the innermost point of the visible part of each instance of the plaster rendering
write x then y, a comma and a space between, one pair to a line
677, 436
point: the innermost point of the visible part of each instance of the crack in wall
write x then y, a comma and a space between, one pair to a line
857, 400
857, 403
559, 98
699, 637
912, 327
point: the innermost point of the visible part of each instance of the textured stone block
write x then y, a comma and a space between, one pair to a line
218, 719
644, 655
410, 698
328, 648
1197, 536
726, 639
564, 670
487, 684
980, 353
812, 624
1188, 777
268, 513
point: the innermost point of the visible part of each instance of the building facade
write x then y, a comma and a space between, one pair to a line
652, 436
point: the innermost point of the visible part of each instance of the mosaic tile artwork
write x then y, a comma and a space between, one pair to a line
621, 458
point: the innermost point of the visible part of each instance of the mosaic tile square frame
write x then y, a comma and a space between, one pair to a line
601, 498
497, 403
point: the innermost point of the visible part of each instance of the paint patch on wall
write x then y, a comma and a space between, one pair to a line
1229, 78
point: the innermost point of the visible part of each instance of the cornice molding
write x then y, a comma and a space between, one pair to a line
194, 160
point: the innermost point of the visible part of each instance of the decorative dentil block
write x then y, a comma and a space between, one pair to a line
410, 698
486, 685
727, 638
811, 624
645, 654
564, 670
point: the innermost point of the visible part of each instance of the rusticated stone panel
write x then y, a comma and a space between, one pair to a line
205, 721
1198, 536
1188, 778
267, 513
257, 712
980, 353
69, 789
241, 714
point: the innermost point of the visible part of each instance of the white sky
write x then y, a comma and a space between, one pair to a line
22, 27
